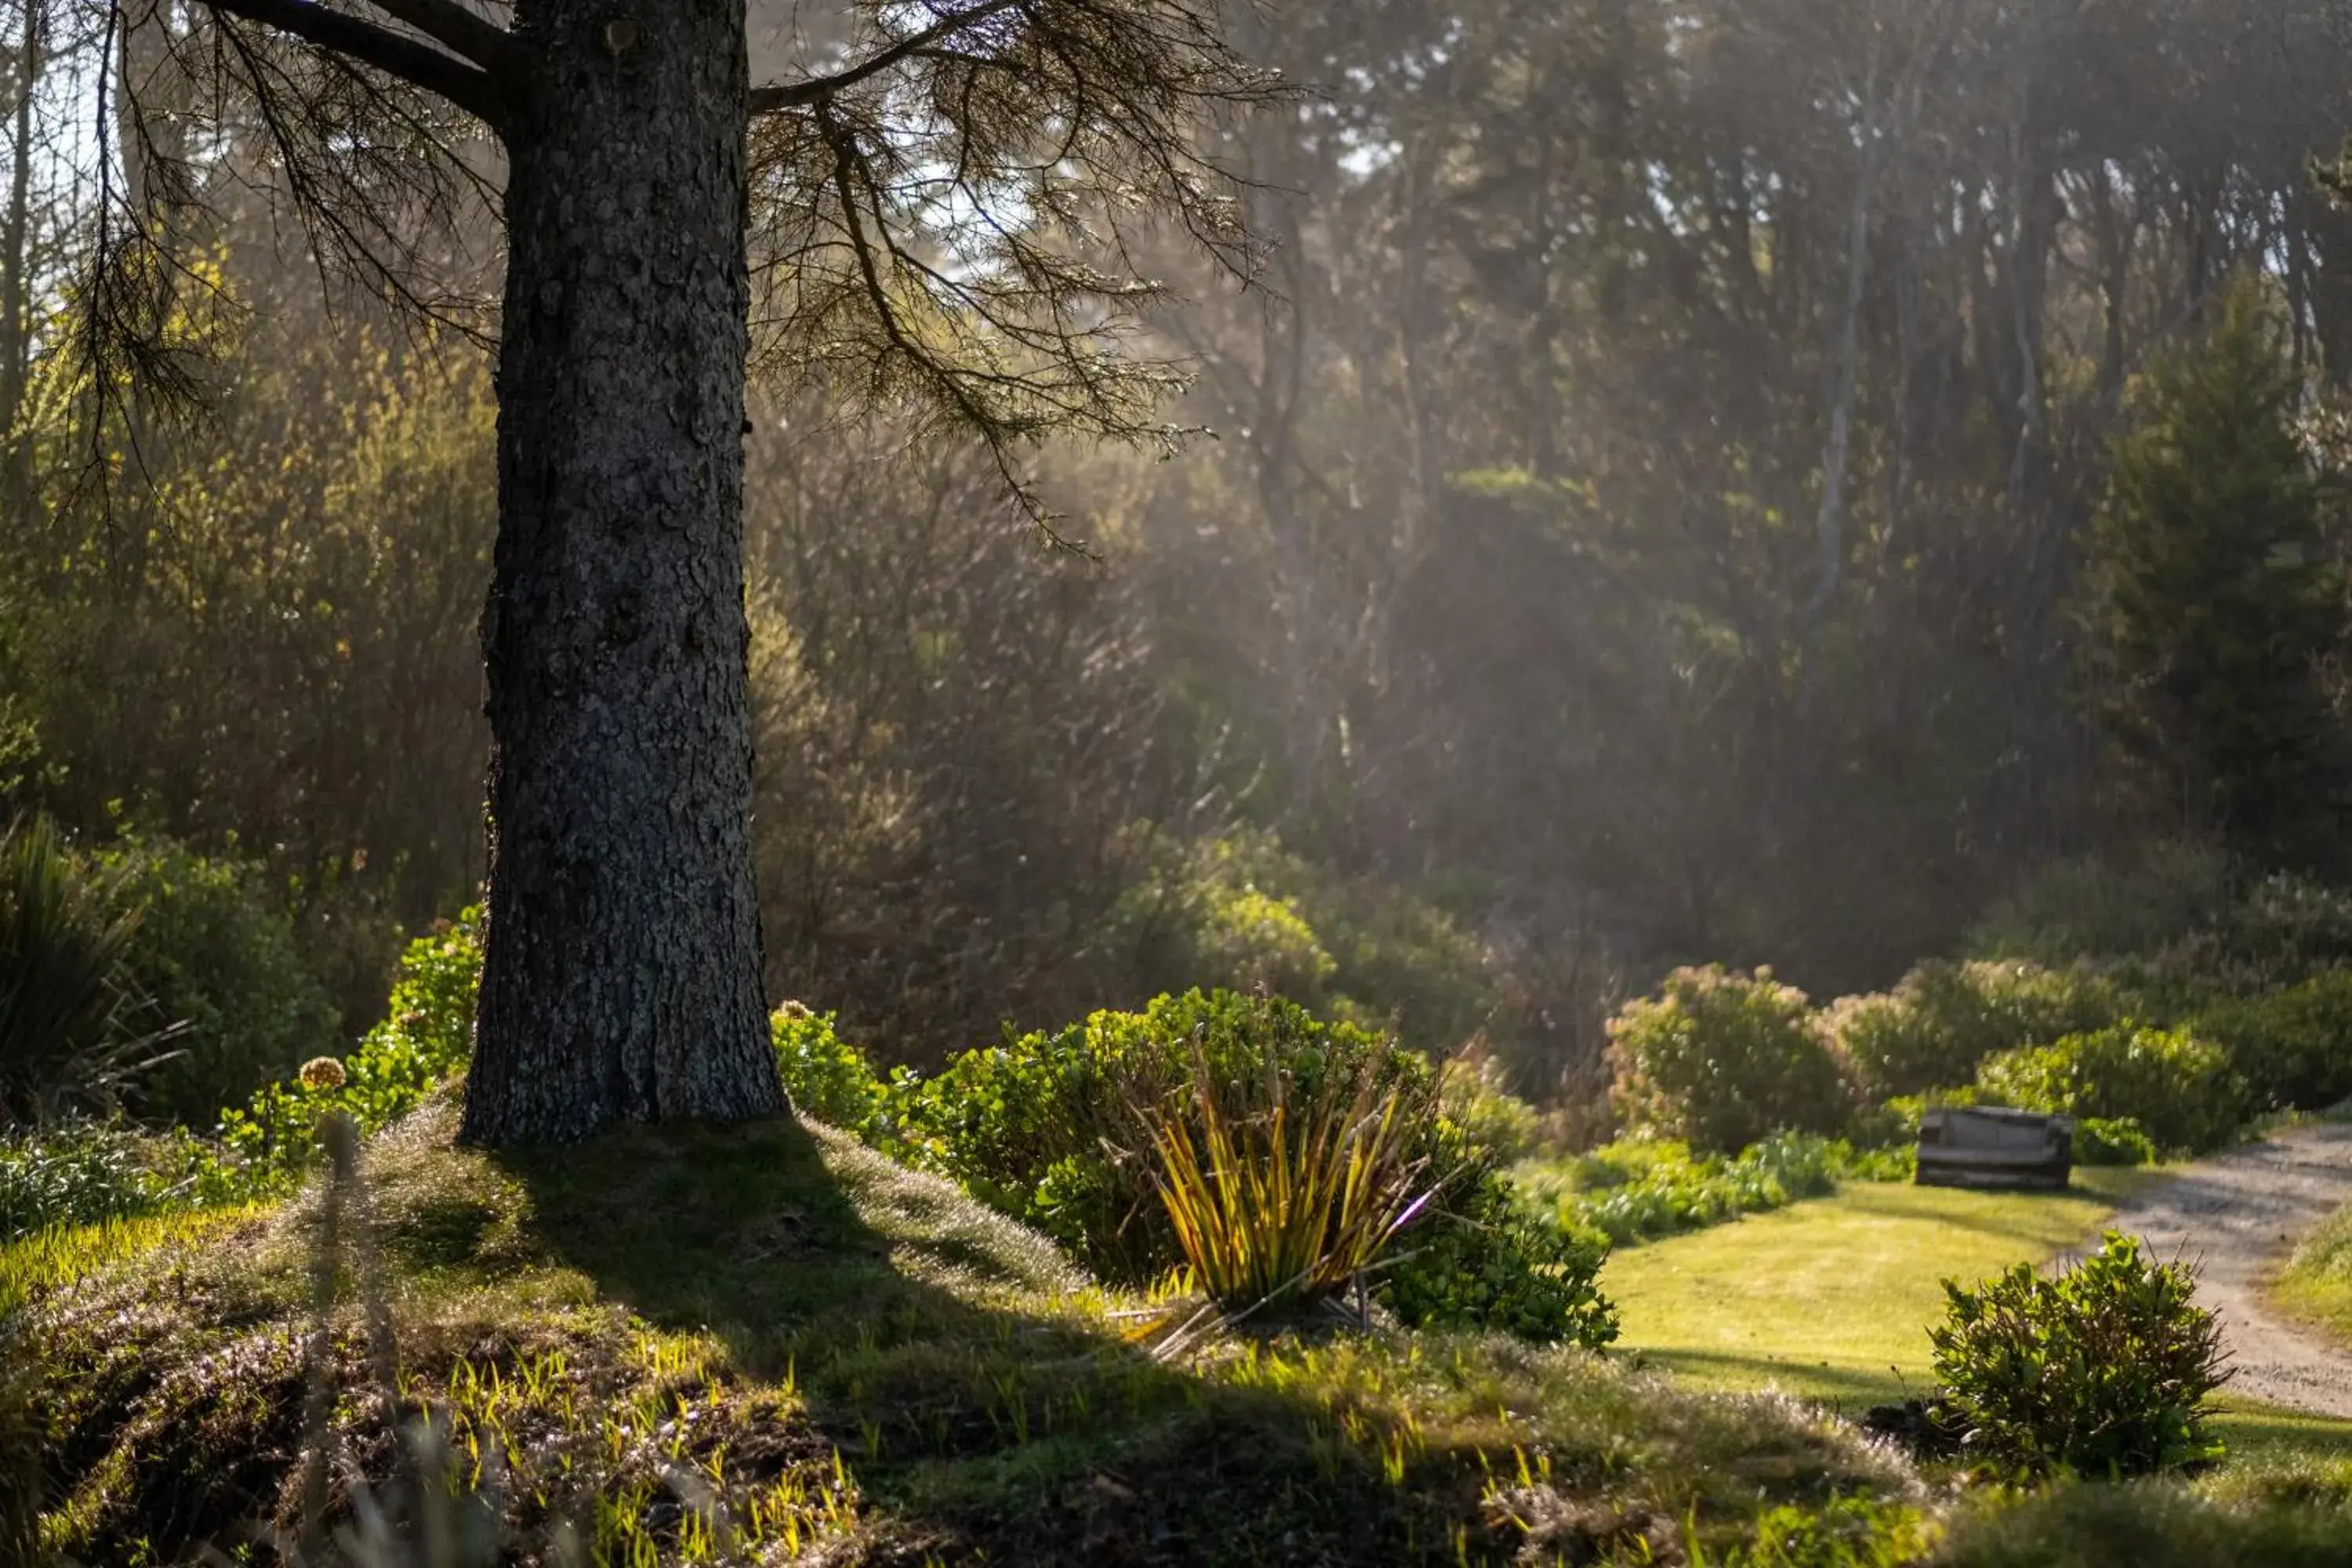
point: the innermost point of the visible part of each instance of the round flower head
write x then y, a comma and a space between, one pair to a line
322, 1073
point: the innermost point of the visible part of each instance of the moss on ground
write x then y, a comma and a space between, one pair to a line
858, 1364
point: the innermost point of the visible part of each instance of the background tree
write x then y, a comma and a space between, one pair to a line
2215, 592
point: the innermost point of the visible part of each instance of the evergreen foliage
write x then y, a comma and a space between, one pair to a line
2214, 597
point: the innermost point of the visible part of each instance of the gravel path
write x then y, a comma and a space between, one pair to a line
2236, 1215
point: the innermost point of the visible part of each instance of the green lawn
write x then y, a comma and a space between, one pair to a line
1830, 1301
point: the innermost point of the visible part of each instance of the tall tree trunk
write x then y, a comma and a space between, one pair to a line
1828, 526
622, 976
15, 290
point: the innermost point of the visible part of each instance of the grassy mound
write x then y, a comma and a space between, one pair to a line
2316, 1285
768, 1344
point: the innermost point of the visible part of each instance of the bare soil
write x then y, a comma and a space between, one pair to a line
2236, 1216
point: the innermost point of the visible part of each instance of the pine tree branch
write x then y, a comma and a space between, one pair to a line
412, 61
766, 100
462, 32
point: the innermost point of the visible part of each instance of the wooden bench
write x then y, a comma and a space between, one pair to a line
1989, 1146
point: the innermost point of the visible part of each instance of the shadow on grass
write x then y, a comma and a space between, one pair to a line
2266, 1434
920, 1333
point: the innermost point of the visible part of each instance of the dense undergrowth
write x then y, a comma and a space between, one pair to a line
1637, 1189
78, 1171
2160, 1040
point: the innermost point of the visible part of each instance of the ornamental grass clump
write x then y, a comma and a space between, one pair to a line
1279, 1196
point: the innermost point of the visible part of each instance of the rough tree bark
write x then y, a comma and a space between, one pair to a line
621, 979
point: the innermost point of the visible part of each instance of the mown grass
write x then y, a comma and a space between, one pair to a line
847, 1360
1830, 1301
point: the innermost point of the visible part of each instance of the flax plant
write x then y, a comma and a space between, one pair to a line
1284, 1198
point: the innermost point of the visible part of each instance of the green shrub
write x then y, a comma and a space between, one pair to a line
828, 1077
425, 1038
2178, 1088
1724, 1059
1486, 1263
1242, 910
2170, 930
1252, 940
218, 954
1491, 1118
2288, 928
75, 1029
2103, 1369
1934, 1029
2108, 907
1403, 961
81, 1173
1040, 1127
2122, 1141
1641, 1188
1219, 914
2284, 931
2293, 1047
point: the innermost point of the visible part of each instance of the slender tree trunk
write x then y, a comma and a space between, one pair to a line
15, 287
1828, 526
622, 975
